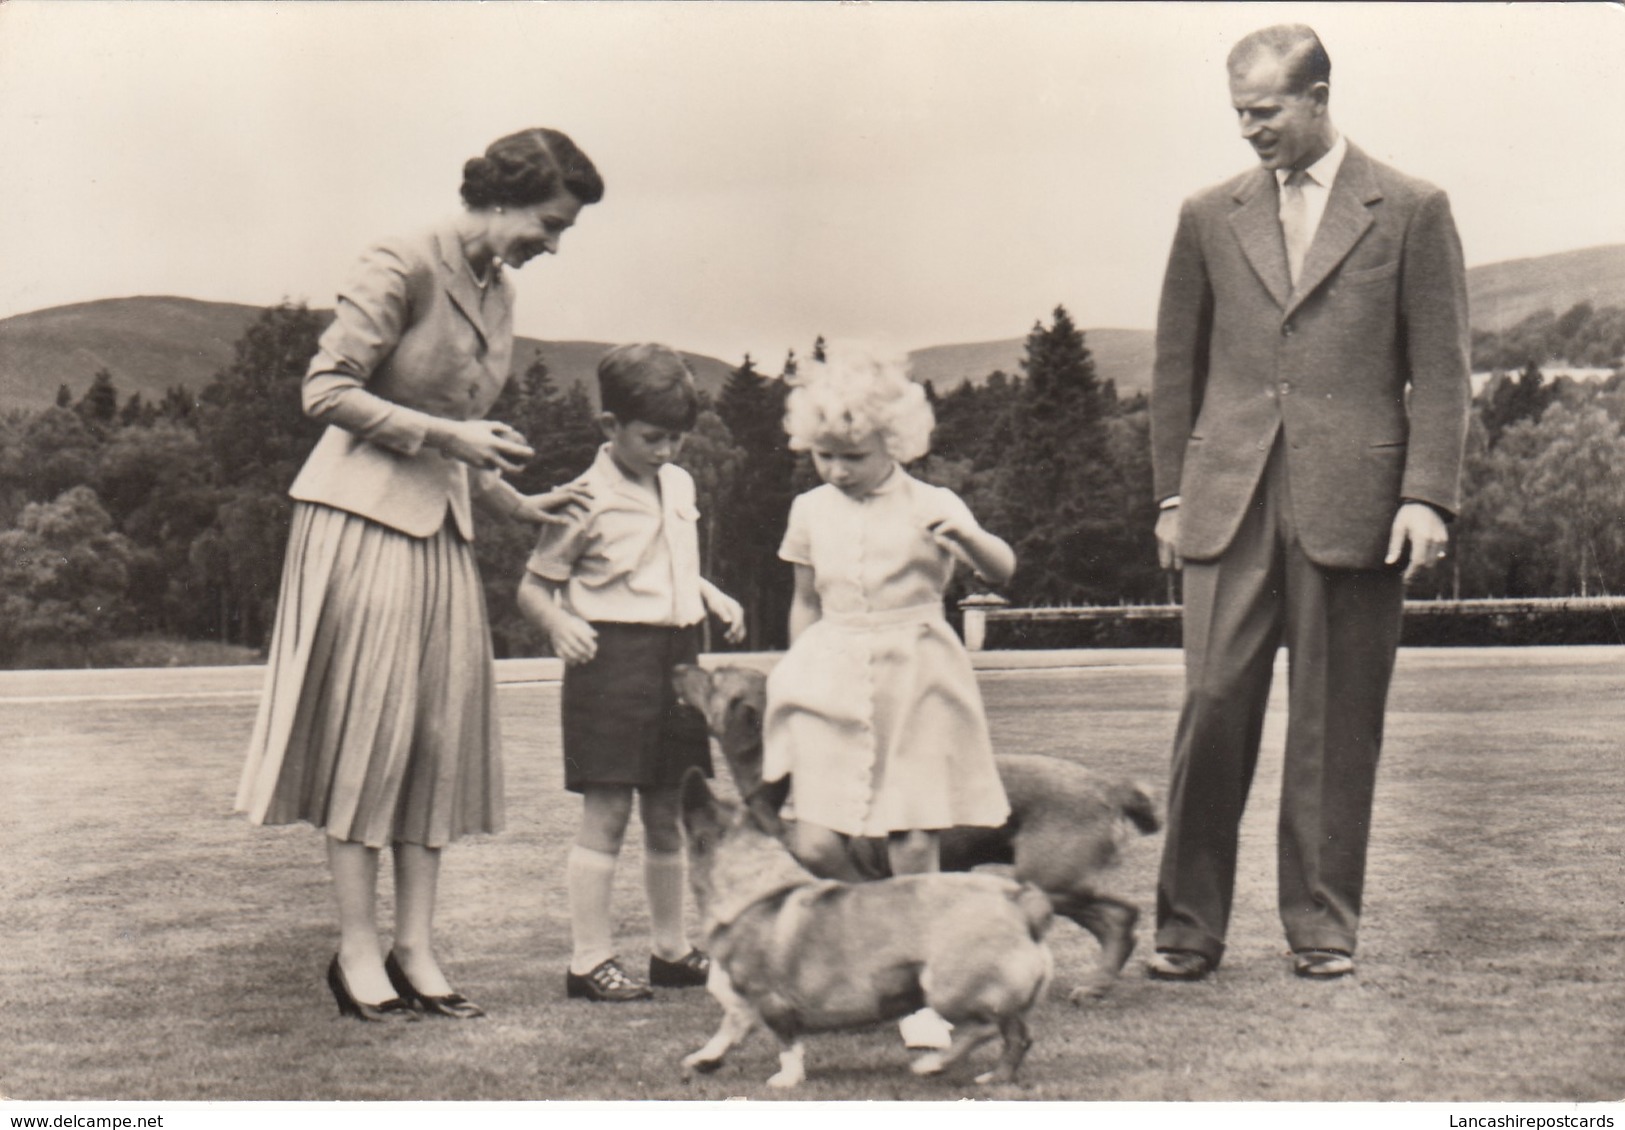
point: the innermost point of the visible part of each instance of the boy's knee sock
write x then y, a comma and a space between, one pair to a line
590, 877
663, 877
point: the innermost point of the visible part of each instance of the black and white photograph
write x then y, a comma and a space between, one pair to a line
564, 555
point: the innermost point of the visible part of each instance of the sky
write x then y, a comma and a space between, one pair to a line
905, 174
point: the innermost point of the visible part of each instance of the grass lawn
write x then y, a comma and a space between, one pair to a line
158, 947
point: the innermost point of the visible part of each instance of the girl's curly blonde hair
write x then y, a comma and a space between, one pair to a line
850, 397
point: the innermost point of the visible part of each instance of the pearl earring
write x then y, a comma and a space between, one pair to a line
499, 209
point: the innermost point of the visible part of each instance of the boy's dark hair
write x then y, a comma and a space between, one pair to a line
651, 383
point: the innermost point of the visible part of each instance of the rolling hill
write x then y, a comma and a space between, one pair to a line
151, 343
1499, 295
1123, 356
1504, 294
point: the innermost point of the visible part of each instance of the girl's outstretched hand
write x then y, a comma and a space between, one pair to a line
964, 539
952, 535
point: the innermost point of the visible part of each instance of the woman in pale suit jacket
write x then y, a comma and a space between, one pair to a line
379, 722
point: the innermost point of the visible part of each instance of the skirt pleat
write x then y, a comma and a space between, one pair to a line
378, 722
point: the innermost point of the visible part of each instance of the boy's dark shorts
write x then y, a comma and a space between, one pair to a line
623, 723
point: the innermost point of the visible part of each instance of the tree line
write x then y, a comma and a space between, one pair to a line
121, 517
1583, 336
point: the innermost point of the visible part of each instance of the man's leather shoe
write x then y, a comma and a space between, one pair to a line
1322, 964
1178, 965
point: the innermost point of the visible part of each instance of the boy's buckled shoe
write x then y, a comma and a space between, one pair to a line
689, 971
607, 982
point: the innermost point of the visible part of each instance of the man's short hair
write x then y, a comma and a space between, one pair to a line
1296, 45
651, 383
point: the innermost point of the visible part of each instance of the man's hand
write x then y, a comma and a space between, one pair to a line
1419, 526
1168, 538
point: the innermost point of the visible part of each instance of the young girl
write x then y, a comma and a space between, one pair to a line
875, 709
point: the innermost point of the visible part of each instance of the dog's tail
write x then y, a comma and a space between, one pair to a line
1035, 904
1136, 805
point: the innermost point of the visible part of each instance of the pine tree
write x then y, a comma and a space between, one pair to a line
99, 406
178, 405
1058, 483
255, 437
712, 457
562, 429
1507, 400
749, 532
251, 416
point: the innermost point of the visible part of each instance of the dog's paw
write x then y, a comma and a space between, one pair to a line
928, 1064
1092, 992
703, 1064
786, 1079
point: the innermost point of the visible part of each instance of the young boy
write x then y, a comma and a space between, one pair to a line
618, 590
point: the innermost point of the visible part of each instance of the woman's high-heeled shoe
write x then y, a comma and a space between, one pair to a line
393, 1011
454, 1005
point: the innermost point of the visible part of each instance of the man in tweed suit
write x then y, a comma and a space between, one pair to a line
1308, 410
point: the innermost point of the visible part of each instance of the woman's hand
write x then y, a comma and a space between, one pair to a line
552, 507
489, 445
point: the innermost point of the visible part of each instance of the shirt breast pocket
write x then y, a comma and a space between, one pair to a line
685, 525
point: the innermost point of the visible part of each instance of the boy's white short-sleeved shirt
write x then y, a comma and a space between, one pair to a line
627, 557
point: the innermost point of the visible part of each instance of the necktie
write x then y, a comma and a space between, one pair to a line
1295, 222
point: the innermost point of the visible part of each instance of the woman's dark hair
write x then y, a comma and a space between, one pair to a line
648, 382
530, 167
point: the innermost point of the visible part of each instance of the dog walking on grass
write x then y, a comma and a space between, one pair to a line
1067, 825
798, 954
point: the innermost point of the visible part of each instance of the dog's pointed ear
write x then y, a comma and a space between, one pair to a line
763, 807
691, 682
772, 794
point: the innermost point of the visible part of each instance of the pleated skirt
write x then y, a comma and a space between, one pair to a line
378, 721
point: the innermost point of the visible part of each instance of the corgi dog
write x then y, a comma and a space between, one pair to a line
1066, 829
797, 954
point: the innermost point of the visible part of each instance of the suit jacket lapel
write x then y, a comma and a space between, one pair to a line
1257, 225
1346, 219
459, 284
